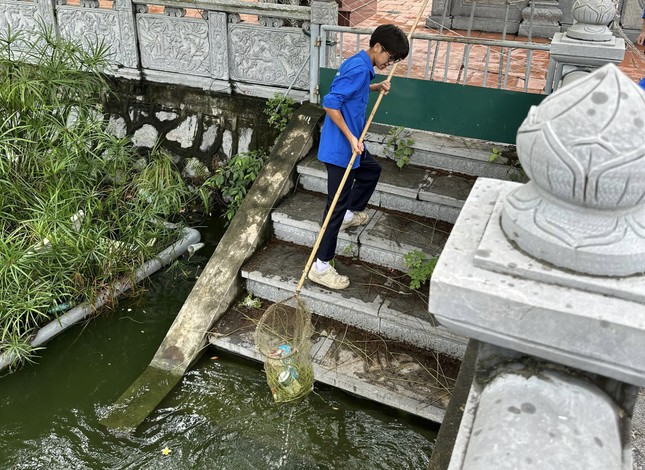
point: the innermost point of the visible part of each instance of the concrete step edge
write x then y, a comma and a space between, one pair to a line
242, 344
310, 168
367, 317
384, 241
447, 152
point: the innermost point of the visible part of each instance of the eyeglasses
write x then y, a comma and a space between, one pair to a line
390, 58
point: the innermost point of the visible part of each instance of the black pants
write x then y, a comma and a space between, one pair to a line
358, 189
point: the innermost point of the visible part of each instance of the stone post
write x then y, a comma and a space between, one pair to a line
47, 9
587, 44
631, 12
323, 12
549, 277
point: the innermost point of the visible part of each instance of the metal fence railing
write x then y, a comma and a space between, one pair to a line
508, 65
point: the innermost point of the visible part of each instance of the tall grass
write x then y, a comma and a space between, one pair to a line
77, 213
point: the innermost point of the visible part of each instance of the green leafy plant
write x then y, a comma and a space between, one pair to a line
515, 171
420, 267
279, 109
77, 213
348, 250
399, 145
234, 179
251, 302
495, 154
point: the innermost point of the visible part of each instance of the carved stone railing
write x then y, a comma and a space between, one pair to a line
204, 44
548, 277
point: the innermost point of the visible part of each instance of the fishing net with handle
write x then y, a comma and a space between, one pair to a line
283, 334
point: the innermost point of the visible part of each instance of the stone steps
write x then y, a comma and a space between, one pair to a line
384, 241
454, 154
413, 190
393, 374
413, 208
378, 300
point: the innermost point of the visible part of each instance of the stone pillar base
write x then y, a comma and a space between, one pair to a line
435, 21
545, 22
483, 287
544, 30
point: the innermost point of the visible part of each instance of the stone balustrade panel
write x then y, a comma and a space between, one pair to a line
175, 44
112, 27
217, 47
22, 16
218, 37
269, 56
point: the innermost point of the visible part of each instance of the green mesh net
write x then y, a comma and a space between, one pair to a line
283, 337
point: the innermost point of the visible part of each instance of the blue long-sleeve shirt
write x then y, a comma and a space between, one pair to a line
348, 93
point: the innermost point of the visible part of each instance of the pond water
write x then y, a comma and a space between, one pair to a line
221, 415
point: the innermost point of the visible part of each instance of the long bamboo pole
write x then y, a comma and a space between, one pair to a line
351, 161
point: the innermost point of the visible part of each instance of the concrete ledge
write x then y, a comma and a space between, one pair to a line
448, 152
547, 420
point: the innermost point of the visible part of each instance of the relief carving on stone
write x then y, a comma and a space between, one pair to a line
270, 22
19, 16
46, 10
174, 44
268, 56
129, 50
591, 18
174, 12
92, 25
584, 150
89, 3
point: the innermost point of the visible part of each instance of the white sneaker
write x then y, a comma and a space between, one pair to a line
328, 278
359, 218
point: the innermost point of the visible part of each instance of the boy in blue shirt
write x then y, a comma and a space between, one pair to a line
346, 106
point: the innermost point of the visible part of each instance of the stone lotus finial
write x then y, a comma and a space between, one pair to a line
591, 18
584, 150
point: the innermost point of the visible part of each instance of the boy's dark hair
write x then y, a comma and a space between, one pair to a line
392, 39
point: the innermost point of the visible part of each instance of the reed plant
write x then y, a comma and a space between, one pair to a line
77, 212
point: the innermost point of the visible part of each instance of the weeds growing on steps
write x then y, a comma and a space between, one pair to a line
79, 210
